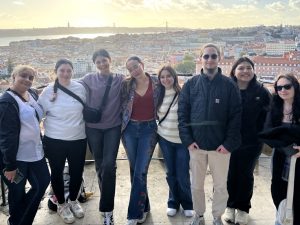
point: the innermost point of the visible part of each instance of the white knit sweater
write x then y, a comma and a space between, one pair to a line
168, 129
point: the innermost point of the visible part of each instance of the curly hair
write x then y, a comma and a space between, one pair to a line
277, 102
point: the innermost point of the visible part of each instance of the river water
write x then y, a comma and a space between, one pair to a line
4, 41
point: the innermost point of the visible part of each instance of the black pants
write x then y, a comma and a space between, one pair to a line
279, 186
240, 177
104, 144
23, 205
57, 151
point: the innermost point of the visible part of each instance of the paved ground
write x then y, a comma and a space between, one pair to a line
262, 212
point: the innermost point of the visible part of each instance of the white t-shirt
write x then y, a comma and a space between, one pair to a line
30, 145
63, 117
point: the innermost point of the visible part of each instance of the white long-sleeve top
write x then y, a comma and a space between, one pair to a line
63, 117
168, 129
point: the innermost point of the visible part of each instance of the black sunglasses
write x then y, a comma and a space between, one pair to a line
213, 56
286, 87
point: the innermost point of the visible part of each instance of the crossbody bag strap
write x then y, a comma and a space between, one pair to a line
67, 91
162, 119
108, 86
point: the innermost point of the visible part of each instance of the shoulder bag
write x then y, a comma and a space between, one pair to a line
284, 214
90, 115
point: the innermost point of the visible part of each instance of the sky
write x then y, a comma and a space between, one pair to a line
147, 13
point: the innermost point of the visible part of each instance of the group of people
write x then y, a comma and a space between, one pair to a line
213, 120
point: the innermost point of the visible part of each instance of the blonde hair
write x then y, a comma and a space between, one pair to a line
23, 69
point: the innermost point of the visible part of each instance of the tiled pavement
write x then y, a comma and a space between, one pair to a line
262, 212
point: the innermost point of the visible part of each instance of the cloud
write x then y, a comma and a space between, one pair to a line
18, 3
128, 3
294, 4
251, 2
244, 7
6, 16
276, 7
195, 5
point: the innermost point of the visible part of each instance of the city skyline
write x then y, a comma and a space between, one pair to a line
148, 13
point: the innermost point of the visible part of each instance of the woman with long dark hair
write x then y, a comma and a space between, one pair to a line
139, 103
176, 155
255, 104
285, 112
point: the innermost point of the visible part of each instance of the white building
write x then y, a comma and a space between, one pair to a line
82, 66
279, 48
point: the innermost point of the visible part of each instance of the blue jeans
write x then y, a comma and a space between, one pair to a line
139, 140
104, 144
24, 205
177, 160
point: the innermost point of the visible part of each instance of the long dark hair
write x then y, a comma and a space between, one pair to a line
176, 85
277, 103
55, 86
129, 80
238, 62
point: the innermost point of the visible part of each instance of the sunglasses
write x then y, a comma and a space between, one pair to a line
286, 87
213, 56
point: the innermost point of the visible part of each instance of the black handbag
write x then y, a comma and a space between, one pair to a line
90, 115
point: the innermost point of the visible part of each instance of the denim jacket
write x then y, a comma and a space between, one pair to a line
127, 97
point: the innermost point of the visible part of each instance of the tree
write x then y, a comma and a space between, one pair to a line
188, 65
10, 66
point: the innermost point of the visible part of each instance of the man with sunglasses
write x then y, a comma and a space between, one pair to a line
209, 114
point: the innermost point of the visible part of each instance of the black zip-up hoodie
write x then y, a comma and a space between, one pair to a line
209, 112
255, 105
10, 126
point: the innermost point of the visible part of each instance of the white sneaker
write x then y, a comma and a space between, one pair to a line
108, 218
188, 213
171, 212
63, 210
76, 208
198, 220
144, 218
132, 222
241, 217
229, 215
217, 221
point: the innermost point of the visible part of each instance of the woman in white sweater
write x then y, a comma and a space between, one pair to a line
176, 156
65, 137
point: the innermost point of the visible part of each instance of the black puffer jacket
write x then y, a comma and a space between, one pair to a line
209, 112
255, 103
